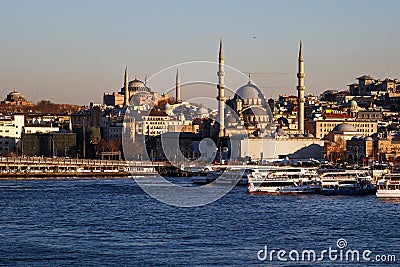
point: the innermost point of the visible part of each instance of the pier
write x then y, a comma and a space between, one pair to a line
67, 167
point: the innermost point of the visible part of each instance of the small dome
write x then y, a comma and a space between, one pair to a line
283, 120
344, 127
249, 91
353, 103
368, 138
202, 111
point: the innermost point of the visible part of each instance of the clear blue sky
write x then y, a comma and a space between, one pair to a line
73, 51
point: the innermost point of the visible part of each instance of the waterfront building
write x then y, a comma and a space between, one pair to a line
387, 149
157, 122
320, 127
112, 128
11, 128
88, 117
360, 150
40, 128
282, 146
53, 144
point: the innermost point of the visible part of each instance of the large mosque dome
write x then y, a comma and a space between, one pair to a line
138, 86
249, 91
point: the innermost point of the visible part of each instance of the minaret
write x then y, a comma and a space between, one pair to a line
126, 82
300, 90
177, 89
221, 91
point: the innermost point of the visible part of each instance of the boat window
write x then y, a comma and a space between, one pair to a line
282, 183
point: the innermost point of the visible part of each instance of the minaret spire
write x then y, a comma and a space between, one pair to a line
300, 90
221, 91
177, 88
126, 83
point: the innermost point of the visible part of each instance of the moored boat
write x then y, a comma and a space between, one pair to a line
349, 182
300, 182
206, 176
389, 186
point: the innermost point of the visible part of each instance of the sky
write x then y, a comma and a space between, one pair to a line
74, 51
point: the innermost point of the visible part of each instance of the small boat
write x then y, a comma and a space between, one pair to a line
285, 183
389, 186
206, 176
348, 182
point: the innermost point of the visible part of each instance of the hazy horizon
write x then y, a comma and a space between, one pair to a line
73, 52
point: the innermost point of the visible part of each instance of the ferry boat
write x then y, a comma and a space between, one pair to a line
285, 182
389, 186
347, 182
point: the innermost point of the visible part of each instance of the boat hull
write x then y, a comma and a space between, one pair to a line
284, 190
347, 192
388, 193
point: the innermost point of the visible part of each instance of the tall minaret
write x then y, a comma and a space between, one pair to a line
177, 89
126, 82
221, 91
300, 90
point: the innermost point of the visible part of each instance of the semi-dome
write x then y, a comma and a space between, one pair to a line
255, 111
344, 127
249, 91
202, 111
280, 132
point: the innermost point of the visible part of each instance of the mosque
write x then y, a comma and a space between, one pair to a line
135, 92
264, 140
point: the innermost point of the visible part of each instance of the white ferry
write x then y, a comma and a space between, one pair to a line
301, 181
389, 186
347, 182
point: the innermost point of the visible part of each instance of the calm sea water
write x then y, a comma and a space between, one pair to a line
113, 222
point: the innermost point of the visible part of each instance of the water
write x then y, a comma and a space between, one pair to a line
113, 222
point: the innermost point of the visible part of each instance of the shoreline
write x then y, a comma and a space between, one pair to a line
68, 175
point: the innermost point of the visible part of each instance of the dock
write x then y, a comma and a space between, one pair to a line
42, 167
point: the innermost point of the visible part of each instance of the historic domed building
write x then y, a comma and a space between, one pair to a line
252, 108
134, 92
16, 98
